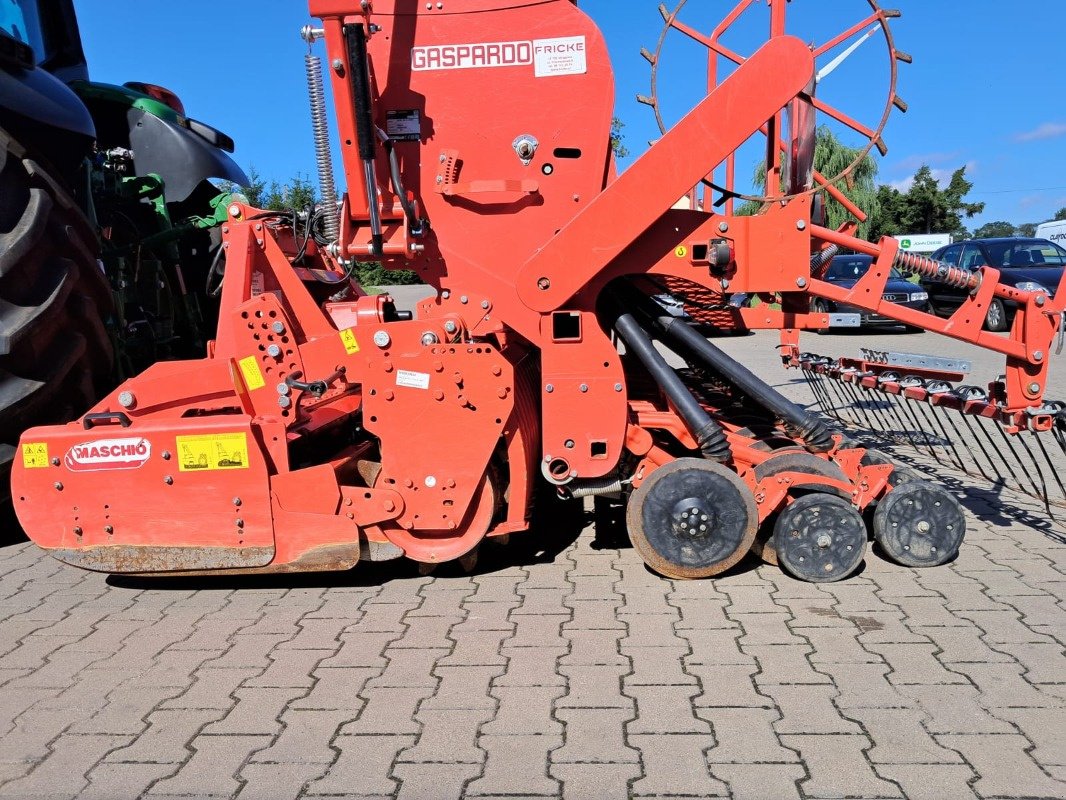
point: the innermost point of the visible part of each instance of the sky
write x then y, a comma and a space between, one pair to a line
985, 91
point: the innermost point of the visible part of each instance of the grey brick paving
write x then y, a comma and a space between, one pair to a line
564, 672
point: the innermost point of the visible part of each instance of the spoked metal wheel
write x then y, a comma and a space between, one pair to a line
792, 461
692, 519
919, 524
820, 538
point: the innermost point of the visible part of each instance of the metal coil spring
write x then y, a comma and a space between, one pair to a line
319, 122
937, 270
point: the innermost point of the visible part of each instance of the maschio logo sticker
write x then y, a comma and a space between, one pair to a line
109, 454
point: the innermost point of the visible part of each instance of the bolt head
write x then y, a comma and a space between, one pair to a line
723, 227
284, 402
549, 388
485, 304
1038, 355
382, 339
801, 225
235, 211
1040, 300
464, 299
824, 540
584, 388
127, 400
618, 387
1034, 388
450, 327
431, 481
801, 282
274, 351
278, 327
429, 338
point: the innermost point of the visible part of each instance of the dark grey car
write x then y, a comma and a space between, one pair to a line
1028, 264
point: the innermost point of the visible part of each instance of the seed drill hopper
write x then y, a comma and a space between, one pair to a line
325, 427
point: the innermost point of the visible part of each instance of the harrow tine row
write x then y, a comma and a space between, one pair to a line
966, 434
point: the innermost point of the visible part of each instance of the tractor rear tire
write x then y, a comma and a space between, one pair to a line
56, 356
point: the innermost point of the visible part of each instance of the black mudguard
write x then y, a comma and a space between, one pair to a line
182, 158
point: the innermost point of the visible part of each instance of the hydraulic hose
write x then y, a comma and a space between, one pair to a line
708, 434
689, 344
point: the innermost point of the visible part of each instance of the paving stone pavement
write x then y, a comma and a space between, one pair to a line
560, 668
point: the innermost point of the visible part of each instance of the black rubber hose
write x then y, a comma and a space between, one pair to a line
691, 346
709, 436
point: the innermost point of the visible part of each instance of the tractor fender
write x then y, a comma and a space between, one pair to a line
181, 157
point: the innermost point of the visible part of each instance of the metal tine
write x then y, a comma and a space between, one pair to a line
903, 403
905, 432
814, 381
982, 424
984, 451
874, 404
1056, 473
934, 413
1010, 445
858, 404
1045, 495
841, 401
965, 451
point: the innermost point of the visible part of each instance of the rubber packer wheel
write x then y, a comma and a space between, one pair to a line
919, 524
820, 538
692, 519
764, 547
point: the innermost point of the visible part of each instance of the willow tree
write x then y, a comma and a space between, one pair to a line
831, 157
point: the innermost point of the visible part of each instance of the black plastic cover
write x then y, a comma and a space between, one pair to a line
182, 158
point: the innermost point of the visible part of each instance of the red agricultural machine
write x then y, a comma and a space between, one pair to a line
326, 427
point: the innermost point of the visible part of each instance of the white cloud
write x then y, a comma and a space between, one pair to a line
941, 176
915, 162
1049, 130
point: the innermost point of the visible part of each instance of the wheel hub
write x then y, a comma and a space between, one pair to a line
693, 518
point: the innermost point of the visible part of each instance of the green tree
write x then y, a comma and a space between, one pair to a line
831, 157
618, 138
299, 193
1027, 229
993, 230
1060, 215
926, 207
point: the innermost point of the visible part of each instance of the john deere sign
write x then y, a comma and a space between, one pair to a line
924, 243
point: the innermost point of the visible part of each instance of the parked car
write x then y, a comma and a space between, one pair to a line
1027, 264
845, 271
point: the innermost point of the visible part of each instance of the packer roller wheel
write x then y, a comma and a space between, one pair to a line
820, 538
764, 547
692, 519
918, 524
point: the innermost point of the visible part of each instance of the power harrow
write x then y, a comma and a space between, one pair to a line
326, 427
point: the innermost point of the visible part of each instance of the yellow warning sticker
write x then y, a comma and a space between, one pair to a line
351, 346
212, 451
253, 377
681, 251
35, 455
